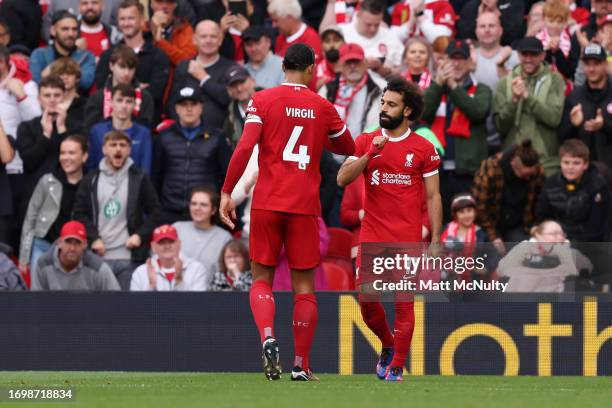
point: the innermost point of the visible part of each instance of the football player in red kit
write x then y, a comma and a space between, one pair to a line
395, 163
291, 124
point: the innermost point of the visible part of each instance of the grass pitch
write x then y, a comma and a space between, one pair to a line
177, 390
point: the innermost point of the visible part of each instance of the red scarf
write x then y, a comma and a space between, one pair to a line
565, 42
343, 102
469, 243
344, 13
424, 80
107, 108
459, 123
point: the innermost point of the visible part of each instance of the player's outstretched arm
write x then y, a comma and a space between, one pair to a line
227, 210
343, 144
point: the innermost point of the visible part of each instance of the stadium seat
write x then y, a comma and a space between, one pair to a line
347, 268
340, 242
337, 279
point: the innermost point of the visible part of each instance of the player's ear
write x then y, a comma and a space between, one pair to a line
407, 111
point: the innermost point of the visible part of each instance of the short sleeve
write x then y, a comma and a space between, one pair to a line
431, 160
336, 126
254, 111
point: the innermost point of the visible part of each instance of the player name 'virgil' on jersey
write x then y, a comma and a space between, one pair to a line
300, 113
291, 124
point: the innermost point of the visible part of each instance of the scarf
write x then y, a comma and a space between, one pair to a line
344, 12
107, 108
424, 80
324, 71
346, 94
459, 123
451, 235
565, 43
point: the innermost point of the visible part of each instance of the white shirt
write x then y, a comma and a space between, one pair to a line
12, 113
194, 277
384, 44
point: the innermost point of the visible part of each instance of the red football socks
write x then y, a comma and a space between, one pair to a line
304, 325
403, 328
374, 316
263, 308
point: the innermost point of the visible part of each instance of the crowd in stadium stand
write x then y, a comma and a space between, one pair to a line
118, 119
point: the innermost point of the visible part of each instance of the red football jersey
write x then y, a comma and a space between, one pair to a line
97, 40
296, 125
394, 186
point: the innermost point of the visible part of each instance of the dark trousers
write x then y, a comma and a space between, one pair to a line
451, 184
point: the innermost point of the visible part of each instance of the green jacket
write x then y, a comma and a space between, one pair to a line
535, 117
469, 152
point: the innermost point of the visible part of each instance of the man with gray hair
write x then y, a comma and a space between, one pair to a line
286, 16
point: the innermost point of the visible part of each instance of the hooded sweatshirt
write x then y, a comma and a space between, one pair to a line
112, 218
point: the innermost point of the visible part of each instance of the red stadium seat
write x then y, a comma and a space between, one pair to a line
337, 279
340, 243
347, 267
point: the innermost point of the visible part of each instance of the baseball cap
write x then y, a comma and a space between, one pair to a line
74, 229
594, 51
255, 33
458, 47
351, 51
332, 28
20, 48
530, 44
298, 57
188, 93
237, 73
165, 231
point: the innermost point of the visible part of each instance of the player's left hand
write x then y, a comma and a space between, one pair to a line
227, 210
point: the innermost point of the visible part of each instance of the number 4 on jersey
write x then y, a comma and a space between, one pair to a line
301, 157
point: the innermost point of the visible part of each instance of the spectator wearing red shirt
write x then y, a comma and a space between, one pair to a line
286, 16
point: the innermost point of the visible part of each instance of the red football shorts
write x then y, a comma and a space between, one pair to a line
270, 230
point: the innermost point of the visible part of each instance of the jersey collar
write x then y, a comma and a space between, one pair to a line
398, 138
290, 84
297, 34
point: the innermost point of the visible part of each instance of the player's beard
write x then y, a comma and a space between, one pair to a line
332, 55
390, 122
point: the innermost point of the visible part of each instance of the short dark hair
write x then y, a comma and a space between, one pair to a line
132, 3
298, 57
80, 140
373, 6
52, 81
526, 153
116, 135
574, 148
125, 90
411, 95
236, 246
121, 53
62, 14
5, 54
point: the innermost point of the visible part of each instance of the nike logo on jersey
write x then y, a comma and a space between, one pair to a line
300, 113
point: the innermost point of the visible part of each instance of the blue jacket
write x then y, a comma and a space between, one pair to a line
142, 145
44, 56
